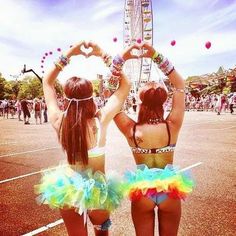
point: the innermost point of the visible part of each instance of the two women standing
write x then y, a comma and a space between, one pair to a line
81, 188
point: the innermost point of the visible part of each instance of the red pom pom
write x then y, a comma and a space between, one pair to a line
173, 42
114, 39
46, 54
58, 49
139, 40
71, 46
42, 61
41, 66
208, 44
42, 71
50, 53
44, 57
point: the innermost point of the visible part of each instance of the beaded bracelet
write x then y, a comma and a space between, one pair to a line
118, 62
180, 90
113, 82
107, 59
62, 62
163, 63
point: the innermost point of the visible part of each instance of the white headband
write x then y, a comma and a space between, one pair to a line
77, 100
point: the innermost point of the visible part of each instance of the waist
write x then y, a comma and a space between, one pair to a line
96, 152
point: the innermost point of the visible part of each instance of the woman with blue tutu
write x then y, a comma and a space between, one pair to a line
152, 140
80, 188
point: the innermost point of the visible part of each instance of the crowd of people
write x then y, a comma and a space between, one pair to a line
217, 103
24, 109
211, 102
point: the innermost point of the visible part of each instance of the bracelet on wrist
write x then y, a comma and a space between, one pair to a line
58, 66
62, 62
163, 63
113, 82
180, 90
155, 55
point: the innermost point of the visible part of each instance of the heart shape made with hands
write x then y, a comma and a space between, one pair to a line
139, 52
136, 52
86, 49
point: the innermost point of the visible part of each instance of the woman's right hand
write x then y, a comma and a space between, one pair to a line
127, 53
149, 51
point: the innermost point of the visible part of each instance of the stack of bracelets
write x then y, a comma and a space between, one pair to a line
163, 63
115, 67
62, 62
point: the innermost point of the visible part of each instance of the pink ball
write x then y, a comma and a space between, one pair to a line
58, 49
208, 44
173, 42
114, 39
139, 40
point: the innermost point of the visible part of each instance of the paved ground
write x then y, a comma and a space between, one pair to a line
205, 137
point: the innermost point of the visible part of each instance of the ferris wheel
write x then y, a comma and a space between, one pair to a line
138, 26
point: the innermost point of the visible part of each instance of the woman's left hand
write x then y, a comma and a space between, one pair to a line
76, 50
96, 50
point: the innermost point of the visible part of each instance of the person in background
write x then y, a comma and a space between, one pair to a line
25, 109
18, 109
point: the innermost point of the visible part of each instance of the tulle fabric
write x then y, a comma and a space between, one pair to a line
84, 190
151, 182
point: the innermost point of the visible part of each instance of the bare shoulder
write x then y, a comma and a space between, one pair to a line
124, 123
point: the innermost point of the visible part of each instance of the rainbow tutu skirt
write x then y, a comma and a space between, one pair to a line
84, 190
154, 182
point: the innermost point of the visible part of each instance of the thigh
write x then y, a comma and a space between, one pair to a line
169, 214
74, 222
143, 216
98, 217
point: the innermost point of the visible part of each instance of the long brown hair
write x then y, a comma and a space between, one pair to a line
152, 97
74, 126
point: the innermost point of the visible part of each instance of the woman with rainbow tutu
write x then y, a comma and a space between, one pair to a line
152, 140
80, 188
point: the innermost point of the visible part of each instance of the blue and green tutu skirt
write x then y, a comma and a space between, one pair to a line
82, 190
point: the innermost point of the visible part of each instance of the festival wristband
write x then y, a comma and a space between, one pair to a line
163, 63
62, 62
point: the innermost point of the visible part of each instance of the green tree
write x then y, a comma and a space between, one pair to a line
2, 86
30, 87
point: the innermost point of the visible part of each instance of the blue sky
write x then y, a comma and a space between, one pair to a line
29, 28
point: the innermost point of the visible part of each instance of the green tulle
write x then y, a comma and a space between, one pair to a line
83, 191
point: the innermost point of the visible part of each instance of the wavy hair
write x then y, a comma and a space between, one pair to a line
152, 98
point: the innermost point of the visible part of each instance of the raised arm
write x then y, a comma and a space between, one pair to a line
49, 81
117, 99
178, 101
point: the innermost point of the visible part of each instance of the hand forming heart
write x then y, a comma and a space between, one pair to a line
86, 49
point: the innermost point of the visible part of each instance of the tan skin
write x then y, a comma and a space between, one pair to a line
73, 221
154, 136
